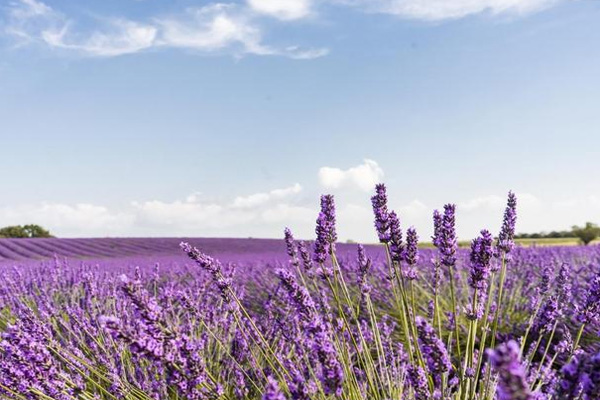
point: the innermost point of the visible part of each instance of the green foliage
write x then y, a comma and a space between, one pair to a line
545, 235
24, 231
587, 233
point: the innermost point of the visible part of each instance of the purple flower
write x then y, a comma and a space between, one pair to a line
364, 268
590, 311
563, 285
433, 348
481, 257
547, 316
591, 380
512, 383
213, 267
396, 246
325, 230
305, 256
380, 209
447, 237
507, 232
418, 381
289, 243
411, 253
437, 228
272, 391
298, 293
570, 382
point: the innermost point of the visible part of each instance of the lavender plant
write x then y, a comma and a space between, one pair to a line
320, 320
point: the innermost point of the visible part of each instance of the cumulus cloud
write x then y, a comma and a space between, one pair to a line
77, 220
282, 9
437, 10
363, 177
265, 214
495, 202
195, 214
215, 27
258, 199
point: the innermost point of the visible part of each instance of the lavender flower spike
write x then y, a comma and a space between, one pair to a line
396, 246
481, 257
447, 237
289, 243
418, 381
382, 223
411, 253
512, 383
507, 232
272, 391
437, 229
434, 350
590, 312
325, 230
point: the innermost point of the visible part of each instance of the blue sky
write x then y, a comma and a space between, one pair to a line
148, 117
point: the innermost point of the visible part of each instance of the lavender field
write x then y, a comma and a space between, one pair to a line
184, 319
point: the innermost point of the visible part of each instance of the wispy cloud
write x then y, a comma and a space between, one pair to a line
231, 28
364, 176
228, 28
282, 9
438, 10
120, 37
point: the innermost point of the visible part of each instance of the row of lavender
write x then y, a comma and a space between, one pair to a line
392, 322
97, 248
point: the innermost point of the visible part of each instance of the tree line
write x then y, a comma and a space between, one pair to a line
24, 231
586, 233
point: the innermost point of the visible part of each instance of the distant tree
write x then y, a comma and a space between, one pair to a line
24, 231
586, 233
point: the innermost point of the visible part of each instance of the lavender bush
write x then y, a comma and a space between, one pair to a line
320, 321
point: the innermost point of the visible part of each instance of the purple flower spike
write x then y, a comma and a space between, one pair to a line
305, 255
289, 243
411, 253
447, 236
396, 246
434, 350
481, 257
325, 230
507, 232
437, 229
364, 268
418, 381
590, 312
272, 391
380, 209
512, 383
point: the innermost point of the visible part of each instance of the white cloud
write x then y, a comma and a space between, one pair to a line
364, 176
78, 219
195, 216
278, 208
214, 27
282, 9
495, 202
258, 199
122, 37
436, 10
414, 209
210, 28
233, 28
